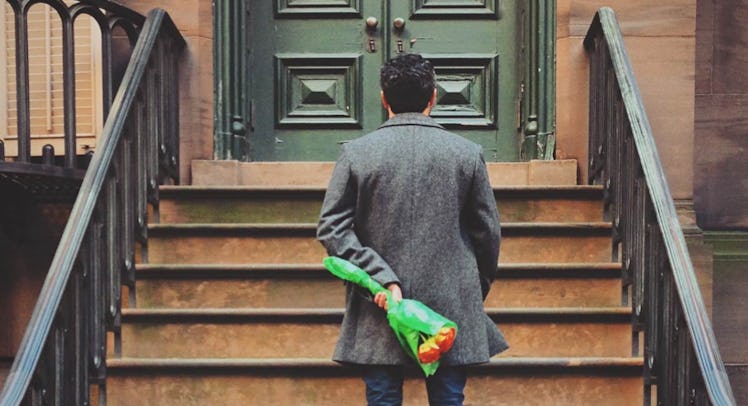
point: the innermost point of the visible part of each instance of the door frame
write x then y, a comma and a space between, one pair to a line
233, 115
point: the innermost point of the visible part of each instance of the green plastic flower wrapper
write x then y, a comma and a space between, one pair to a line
413, 322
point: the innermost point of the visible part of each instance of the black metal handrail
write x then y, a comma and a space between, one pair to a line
680, 351
108, 15
63, 351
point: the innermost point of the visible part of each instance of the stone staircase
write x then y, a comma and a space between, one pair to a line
233, 307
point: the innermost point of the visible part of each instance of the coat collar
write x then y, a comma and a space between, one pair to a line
411, 119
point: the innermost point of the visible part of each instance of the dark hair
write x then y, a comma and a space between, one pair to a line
407, 81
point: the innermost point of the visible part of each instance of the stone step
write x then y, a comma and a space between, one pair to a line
317, 174
319, 382
296, 243
301, 286
264, 204
312, 333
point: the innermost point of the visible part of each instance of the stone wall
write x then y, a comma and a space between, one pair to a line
29, 235
194, 18
722, 114
660, 38
720, 188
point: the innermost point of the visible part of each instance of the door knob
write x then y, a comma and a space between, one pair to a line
398, 23
371, 23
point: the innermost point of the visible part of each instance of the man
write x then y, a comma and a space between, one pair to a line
411, 204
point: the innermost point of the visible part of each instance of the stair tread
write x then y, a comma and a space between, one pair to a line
540, 362
175, 190
313, 226
561, 266
306, 312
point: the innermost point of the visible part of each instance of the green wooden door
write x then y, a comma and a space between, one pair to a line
314, 71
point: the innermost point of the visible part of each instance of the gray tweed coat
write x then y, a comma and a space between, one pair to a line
411, 203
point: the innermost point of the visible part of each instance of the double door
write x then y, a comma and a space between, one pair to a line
314, 71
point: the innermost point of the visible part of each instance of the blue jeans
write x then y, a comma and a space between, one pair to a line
384, 386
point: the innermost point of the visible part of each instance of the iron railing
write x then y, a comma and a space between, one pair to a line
108, 16
63, 351
681, 358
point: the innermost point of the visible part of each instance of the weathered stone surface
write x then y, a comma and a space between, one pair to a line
183, 248
280, 292
664, 69
192, 17
730, 43
260, 205
572, 105
722, 137
558, 172
218, 336
317, 174
241, 293
660, 39
537, 388
704, 46
638, 17
552, 292
196, 103
738, 374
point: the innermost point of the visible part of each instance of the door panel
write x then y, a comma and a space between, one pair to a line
314, 71
311, 76
472, 45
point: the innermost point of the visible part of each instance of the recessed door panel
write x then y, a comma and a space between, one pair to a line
314, 71
317, 8
454, 8
466, 88
318, 91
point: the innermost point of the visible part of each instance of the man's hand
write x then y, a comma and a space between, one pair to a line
381, 299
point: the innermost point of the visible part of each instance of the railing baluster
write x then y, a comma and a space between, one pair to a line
80, 312
138, 125
171, 111
128, 217
684, 365
97, 296
68, 84
111, 249
22, 85
107, 92
150, 124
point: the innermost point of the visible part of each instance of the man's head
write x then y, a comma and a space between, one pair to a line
407, 83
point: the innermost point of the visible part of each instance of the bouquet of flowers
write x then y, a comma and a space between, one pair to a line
423, 333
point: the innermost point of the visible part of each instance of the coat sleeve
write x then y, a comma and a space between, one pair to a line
484, 228
336, 229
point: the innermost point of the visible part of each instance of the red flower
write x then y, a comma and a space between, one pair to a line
429, 352
445, 338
